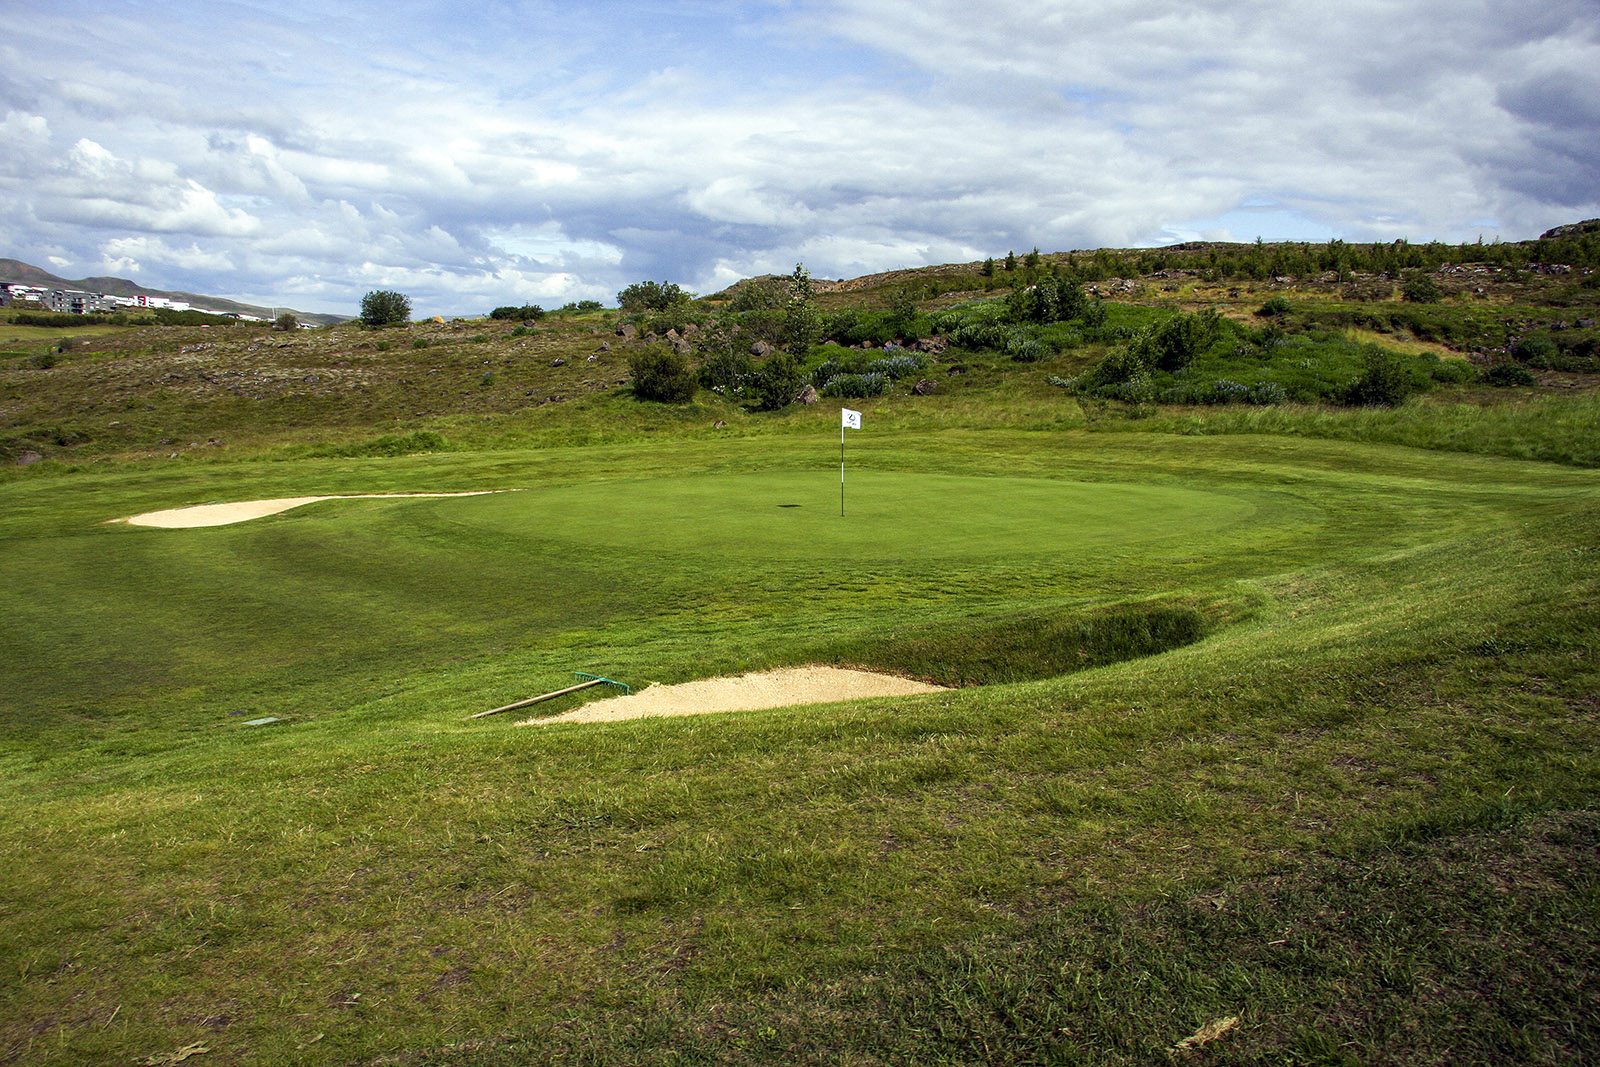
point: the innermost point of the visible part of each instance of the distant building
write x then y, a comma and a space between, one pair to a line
75, 302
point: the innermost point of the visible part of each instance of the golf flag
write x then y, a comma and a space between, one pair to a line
852, 419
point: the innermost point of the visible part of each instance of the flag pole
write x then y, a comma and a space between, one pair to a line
841, 468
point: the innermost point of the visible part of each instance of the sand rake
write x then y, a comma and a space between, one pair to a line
590, 680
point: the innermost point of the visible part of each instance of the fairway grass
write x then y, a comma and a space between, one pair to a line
1290, 712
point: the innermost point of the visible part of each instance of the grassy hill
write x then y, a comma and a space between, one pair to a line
1271, 738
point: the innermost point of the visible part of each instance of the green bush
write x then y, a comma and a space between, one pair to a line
1508, 374
385, 307
1420, 289
653, 296
777, 381
1275, 305
1384, 381
527, 313
1175, 342
662, 375
1536, 350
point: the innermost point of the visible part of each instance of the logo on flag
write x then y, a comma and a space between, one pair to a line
852, 419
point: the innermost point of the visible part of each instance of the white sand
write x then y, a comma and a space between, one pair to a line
746, 692
226, 514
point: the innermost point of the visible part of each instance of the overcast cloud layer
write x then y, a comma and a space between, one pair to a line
513, 152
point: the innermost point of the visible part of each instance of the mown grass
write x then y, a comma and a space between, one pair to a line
1357, 651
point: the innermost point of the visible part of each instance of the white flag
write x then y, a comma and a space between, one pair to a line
852, 419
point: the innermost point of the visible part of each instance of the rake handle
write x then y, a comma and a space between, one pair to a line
537, 699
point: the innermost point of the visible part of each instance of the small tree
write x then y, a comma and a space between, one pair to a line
652, 296
385, 307
286, 321
1420, 289
661, 374
1384, 382
802, 322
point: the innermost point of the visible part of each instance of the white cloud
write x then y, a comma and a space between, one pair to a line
332, 153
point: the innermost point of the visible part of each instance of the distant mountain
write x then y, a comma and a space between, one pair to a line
16, 272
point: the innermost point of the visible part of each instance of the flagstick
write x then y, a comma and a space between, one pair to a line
841, 468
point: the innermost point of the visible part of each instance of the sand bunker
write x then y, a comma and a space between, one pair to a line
746, 692
226, 514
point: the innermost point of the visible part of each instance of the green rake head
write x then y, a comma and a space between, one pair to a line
601, 678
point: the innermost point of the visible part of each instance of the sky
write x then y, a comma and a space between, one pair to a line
518, 151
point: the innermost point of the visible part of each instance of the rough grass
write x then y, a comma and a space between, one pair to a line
1390, 640
1284, 716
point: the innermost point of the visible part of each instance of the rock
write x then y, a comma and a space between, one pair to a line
924, 387
28, 459
808, 395
627, 331
761, 350
605, 346
931, 345
558, 362
719, 424
683, 347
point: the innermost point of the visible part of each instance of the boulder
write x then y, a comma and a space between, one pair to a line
761, 350
28, 459
808, 395
924, 387
627, 331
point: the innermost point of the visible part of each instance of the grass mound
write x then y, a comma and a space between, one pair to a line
1031, 646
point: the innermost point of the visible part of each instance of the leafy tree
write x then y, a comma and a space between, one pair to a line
759, 294
653, 296
802, 325
286, 321
385, 307
661, 374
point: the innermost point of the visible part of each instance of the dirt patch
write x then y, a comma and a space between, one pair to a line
745, 692
243, 510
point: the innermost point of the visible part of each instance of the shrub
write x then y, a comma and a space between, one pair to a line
1508, 374
759, 294
1265, 394
728, 373
777, 381
901, 364
286, 322
1384, 381
662, 375
1173, 343
1420, 289
527, 313
872, 383
1275, 305
385, 307
652, 296
1536, 350
1024, 349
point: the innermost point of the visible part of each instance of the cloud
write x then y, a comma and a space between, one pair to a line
481, 155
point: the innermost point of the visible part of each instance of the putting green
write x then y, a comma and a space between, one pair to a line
796, 515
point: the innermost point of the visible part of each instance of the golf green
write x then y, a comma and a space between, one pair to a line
796, 515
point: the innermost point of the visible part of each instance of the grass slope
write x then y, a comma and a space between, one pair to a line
1379, 710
